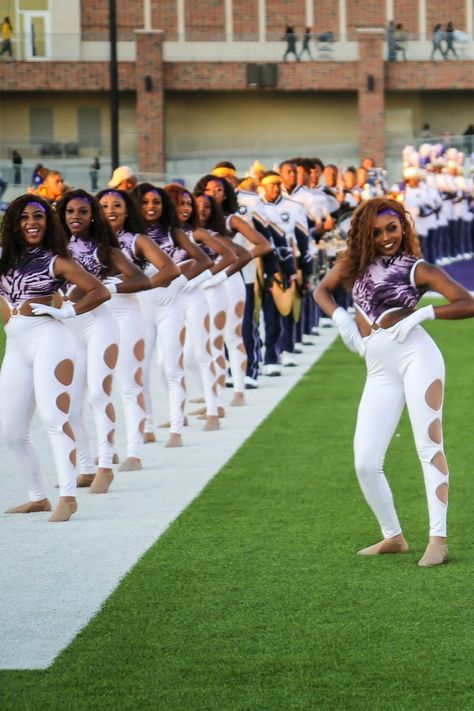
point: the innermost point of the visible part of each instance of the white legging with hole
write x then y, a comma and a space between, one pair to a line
197, 321
96, 338
235, 287
397, 373
35, 347
128, 315
164, 329
217, 302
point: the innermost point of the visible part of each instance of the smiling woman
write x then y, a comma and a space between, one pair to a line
382, 266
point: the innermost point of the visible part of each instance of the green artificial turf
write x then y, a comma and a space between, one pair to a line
255, 599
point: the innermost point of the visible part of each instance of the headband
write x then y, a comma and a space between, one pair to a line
389, 211
112, 192
224, 172
271, 180
37, 204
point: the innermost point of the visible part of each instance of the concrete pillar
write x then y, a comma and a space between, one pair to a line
371, 91
150, 102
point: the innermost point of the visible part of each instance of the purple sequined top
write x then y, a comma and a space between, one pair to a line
164, 240
31, 277
208, 250
127, 242
84, 251
388, 284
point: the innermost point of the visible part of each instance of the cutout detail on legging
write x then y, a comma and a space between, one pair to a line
64, 372
139, 349
63, 402
67, 429
107, 385
239, 309
219, 320
434, 431
442, 493
138, 377
439, 461
110, 356
434, 395
110, 412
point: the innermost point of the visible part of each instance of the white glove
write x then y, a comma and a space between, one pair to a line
177, 284
348, 331
162, 296
216, 279
401, 329
111, 283
199, 279
67, 310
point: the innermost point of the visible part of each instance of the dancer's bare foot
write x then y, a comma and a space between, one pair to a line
174, 440
220, 412
436, 552
212, 424
165, 425
397, 544
131, 464
65, 508
102, 481
238, 400
197, 400
31, 507
199, 411
84, 480
149, 437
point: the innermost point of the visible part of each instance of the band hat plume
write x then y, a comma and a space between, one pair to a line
223, 172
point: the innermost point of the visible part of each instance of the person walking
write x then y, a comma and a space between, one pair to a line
290, 38
437, 38
17, 161
307, 37
449, 35
383, 268
94, 173
7, 31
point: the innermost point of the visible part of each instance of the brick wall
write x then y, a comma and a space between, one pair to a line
406, 12
64, 76
442, 12
371, 97
204, 20
95, 18
245, 20
364, 13
164, 17
281, 13
326, 17
150, 104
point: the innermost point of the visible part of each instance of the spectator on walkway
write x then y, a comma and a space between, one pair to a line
437, 38
400, 38
123, 178
392, 55
7, 30
449, 36
426, 131
17, 161
307, 37
94, 174
469, 138
290, 38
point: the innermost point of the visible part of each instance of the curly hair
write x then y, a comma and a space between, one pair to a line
175, 192
134, 222
12, 239
360, 251
100, 230
169, 219
216, 221
230, 204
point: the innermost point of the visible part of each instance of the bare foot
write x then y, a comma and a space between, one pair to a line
199, 411
102, 481
212, 424
131, 464
149, 437
174, 440
31, 507
165, 425
84, 480
397, 544
238, 400
65, 508
197, 400
220, 412
436, 552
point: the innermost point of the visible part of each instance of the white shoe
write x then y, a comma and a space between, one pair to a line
288, 360
298, 348
272, 370
250, 383
307, 341
229, 382
325, 322
315, 331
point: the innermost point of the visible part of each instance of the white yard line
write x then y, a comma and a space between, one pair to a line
55, 577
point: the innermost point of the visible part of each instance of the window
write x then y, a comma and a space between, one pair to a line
89, 127
41, 125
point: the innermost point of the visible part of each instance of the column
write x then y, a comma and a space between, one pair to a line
469, 18
342, 21
422, 19
309, 14
389, 10
150, 101
371, 91
180, 20
147, 14
262, 21
229, 29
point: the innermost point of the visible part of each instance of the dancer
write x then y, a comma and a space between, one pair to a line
165, 323
124, 218
382, 265
38, 366
94, 245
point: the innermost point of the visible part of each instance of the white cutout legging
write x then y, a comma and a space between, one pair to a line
197, 321
128, 315
35, 347
95, 333
217, 302
399, 373
233, 330
164, 328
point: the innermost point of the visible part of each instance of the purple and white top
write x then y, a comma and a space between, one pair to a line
164, 240
208, 250
387, 285
85, 251
127, 242
31, 277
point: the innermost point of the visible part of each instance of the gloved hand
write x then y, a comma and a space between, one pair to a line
199, 279
162, 296
67, 310
218, 278
111, 283
177, 284
349, 331
401, 330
